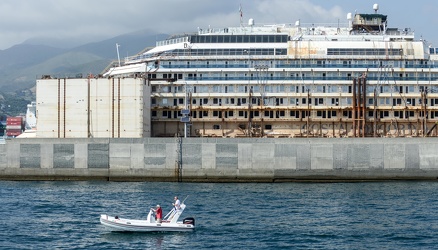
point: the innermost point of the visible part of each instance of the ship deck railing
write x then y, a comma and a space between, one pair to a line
307, 78
217, 56
291, 65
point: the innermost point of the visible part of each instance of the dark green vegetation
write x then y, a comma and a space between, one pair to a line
14, 104
22, 64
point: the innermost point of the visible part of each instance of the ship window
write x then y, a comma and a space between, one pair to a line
217, 89
239, 39
281, 88
297, 114
410, 101
320, 100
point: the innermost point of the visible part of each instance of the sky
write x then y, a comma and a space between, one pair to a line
84, 21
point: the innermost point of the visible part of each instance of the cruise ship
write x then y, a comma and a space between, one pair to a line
358, 78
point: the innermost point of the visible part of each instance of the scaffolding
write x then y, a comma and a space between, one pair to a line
359, 105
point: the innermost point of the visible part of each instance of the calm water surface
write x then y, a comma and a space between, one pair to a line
65, 215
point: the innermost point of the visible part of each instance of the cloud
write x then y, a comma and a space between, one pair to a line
91, 20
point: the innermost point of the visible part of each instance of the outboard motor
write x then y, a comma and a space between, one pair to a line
189, 220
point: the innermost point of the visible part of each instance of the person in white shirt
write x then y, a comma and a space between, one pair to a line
177, 203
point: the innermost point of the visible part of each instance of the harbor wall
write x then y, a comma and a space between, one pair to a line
220, 159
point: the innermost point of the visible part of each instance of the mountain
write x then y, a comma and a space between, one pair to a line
130, 44
21, 55
61, 42
22, 64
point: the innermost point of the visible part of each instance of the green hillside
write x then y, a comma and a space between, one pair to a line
22, 65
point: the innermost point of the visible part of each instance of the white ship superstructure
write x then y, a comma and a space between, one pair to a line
31, 118
359, 79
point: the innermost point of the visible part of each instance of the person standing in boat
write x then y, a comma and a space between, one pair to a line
177, 203
158, 214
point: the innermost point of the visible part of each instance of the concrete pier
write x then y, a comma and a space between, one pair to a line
220, 159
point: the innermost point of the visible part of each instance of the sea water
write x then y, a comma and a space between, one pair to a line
377, 215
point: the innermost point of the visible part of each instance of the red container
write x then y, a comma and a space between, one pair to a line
13, 124
14, 119
14, 132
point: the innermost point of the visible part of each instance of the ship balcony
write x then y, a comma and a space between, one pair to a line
284, 64
256, 79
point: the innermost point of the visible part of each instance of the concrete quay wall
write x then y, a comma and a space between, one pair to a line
220, 159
